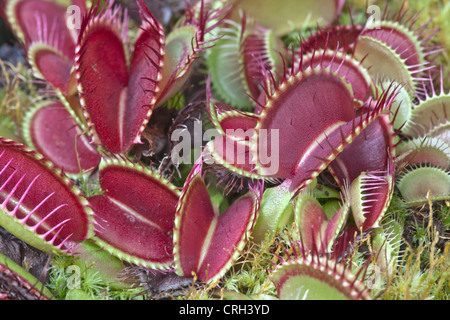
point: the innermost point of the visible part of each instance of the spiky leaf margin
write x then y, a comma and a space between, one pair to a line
49, 129
202, 236
45, 190
307, 275
422, 184
130, 90
111, 236
316, 230
192, 35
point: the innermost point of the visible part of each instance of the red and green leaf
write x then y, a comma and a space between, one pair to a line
184, 44
39, 204
317, 230
135, 216
208, 242
345, 66
50, 44
50, 130
118, 97
371, 174
308, 275
315, 104
422, 184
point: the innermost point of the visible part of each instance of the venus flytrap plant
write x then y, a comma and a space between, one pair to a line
186, 42
434, 184
402, 47
385, 246
371, 175
131, 225
308, 275
296, 164
226, 119
49, 42
384, 168
157, 69
106, 24
429, 150
39, 203
246, 46
207, 242
425, 154
330, 109
429, 116
276, 212
133, 77
277, 208
317, 230
70, 150
230, 83
344, 65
